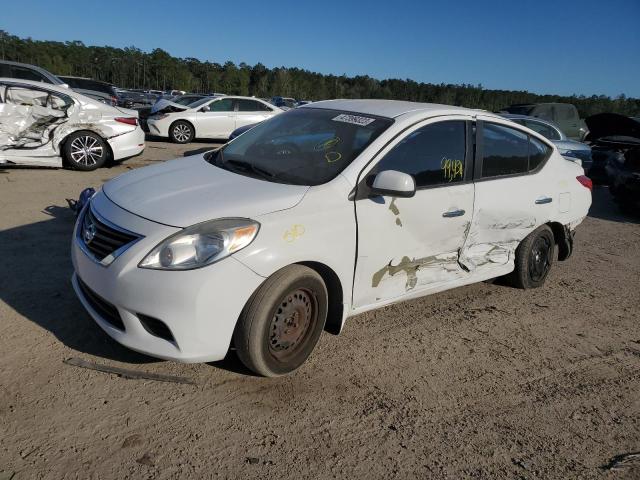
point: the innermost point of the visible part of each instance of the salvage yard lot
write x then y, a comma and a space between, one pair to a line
484, 381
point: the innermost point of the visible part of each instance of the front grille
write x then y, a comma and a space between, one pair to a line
103, 308
101, 239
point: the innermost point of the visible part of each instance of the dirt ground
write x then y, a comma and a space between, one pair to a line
484, 381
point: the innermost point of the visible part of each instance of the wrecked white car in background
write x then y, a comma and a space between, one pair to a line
48, 125
210, 117
320, 213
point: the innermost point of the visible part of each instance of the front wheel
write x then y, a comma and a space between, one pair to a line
282, 322
85, 151
181, 132
534, 258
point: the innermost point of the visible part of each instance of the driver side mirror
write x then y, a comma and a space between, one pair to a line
206, 108
393, 183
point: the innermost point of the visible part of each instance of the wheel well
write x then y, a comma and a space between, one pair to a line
563, 239
334, 289
64, 141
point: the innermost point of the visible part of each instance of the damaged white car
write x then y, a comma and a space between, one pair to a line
318, 214
209, 117
48, 125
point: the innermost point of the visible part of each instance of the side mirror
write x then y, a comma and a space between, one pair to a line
393, 183
206, 108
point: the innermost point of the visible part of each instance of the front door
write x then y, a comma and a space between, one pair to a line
410, 244
219, 121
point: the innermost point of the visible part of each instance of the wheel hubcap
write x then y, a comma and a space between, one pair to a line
539, 259
182, 133
86, 151
291, 323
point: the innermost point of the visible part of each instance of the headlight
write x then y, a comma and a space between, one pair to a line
202, 244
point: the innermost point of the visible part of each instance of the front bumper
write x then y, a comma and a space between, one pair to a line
199, 307
159, 128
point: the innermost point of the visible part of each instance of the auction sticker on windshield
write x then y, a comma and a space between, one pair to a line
354, 119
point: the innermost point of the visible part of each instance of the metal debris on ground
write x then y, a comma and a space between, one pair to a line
623, 461
127, 373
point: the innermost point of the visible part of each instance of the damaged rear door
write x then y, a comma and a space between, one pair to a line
513, 196
409, 244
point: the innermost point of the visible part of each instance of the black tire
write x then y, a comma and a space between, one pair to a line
534, 257
282, 321
181, 131
85, 151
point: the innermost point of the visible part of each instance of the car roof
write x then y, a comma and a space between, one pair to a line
41, 70
49, 86
390, 108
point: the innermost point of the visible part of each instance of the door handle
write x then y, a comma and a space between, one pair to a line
453, 213
543, 200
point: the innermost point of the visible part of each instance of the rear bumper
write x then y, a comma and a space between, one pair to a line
128, 144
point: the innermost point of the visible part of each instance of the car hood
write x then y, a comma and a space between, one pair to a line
183, 192
611, 125
167, 106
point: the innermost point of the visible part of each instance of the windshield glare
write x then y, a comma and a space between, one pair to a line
307, 146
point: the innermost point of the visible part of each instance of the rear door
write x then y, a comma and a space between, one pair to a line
407, 245
219, 121
251, 111
513, 194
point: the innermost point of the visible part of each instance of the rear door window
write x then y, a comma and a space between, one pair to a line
248, 105
507, 151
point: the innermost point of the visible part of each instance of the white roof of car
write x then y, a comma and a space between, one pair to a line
388, 108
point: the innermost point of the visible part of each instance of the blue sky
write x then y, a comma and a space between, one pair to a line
562, 46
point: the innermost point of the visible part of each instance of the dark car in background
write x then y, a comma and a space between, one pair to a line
284, 103
615, 143
102, 91
24, 71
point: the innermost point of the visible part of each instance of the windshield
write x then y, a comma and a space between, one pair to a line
307, 146
197, 103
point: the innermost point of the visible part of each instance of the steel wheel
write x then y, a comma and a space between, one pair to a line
86, 151
540, 259
291, 323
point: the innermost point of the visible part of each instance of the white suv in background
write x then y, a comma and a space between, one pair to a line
213, 118
318, 214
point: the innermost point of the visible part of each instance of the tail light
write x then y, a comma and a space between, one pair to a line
585, 181
127, 120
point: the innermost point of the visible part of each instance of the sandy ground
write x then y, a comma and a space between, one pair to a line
484, 381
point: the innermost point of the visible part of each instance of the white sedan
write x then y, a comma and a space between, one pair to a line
49, 125
318, 214
209, 117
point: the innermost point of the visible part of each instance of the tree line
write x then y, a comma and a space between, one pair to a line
130, 67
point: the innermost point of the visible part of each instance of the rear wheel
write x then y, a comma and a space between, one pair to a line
282, 322
85, 151
534, 258
181, 132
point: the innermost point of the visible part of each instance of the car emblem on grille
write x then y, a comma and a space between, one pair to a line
88, 231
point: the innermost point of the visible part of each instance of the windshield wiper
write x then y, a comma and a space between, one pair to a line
248, 166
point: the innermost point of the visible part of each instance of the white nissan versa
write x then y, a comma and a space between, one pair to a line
315, 215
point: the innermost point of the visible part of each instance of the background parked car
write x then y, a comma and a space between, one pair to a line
45, 124
568, 148
565, 115
24, 71
284, 103
612, 136
209, 118
102, 91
